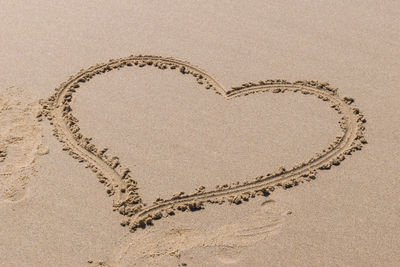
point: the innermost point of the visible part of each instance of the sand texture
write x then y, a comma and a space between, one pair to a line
212, 133
122, 186
21, 142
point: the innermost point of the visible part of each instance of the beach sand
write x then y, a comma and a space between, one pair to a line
202, 127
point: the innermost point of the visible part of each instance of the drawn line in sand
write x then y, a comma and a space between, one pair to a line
123, 188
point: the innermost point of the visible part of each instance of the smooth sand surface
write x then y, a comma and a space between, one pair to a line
176, 136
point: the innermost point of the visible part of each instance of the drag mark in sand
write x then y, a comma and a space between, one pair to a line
123, 188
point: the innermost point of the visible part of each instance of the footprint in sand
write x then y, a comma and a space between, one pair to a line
20, 142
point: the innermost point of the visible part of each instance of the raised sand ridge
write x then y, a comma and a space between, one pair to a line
123, 188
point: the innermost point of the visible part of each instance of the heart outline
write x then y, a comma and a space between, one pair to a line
124, 188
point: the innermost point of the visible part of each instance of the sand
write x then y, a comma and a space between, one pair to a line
213, 133
21, 144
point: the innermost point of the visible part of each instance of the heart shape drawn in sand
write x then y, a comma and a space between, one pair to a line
123, 187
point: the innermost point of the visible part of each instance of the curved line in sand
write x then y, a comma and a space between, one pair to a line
123, 187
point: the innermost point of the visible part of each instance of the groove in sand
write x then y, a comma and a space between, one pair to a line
123, 188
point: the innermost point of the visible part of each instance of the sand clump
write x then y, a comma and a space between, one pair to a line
20, 142
123, 188
3, 152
